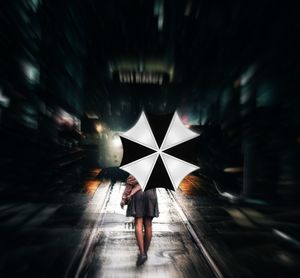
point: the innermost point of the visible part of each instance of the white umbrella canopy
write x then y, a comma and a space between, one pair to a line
159, 151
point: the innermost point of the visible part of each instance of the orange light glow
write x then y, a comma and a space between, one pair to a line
190, 184
99, 128
91, 186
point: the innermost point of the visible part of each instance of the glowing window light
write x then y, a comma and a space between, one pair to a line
120, 77
4, 100
31, 72
160, 79
141, 77
99, 128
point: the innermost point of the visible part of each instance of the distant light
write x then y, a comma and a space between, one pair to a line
120, 77
245, 95
64, 118
4, 100
248, 74
92, 116
228, 195
160, 79
138, 77
233, 170
35, 4
141, 77
99, 128
185, 119
31, 72
160, 22
159, 12
283, 235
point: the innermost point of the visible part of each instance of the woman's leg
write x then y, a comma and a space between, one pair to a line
148, 232
139, 233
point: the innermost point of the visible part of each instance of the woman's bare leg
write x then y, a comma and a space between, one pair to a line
139, 233
148, 232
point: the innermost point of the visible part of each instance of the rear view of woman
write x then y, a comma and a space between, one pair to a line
143, 206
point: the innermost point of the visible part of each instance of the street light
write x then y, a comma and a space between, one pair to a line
99, 128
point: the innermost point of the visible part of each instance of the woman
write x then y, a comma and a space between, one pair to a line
143, 206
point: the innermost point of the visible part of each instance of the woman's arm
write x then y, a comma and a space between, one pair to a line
132, 186
135, 189
128, 188
135, 185
126, 192
131, 180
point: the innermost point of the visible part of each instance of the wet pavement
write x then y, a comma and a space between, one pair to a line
41, 224
245, 240
113, 252
74, 227
71, 232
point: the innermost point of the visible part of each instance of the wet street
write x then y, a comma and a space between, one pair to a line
76, 228
172, 253
86, 234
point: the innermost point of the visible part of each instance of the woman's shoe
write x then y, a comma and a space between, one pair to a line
141, 259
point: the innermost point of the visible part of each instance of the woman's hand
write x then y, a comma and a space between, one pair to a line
131, 180
122, 204
129, 197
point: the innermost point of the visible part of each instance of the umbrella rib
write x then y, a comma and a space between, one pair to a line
138, 142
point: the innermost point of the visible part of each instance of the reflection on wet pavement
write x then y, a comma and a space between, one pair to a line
172, 252
241, 237
74, 227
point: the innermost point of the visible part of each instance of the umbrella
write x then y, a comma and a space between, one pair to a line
159, 151
113, 173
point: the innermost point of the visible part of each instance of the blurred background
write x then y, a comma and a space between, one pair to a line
75, 73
